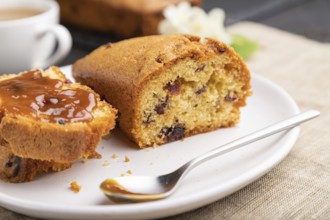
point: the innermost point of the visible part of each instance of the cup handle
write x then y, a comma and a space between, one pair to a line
64, 44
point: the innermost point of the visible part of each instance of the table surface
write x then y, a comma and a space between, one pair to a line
298, 188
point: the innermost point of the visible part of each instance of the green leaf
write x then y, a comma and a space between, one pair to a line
243, 46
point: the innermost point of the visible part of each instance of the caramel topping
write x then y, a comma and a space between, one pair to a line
112, 186
43, 98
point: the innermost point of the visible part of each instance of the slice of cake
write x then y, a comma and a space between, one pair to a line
168, 87
47, 123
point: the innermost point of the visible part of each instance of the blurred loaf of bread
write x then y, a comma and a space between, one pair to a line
125, 18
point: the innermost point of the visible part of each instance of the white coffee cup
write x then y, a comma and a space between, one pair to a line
32, 39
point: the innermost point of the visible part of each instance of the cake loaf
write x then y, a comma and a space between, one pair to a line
125, 18
168, 87
47, 123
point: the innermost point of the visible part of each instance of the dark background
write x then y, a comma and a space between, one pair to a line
310, 18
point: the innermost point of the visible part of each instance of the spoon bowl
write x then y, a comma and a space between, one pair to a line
141, 188
149, 188
135, 188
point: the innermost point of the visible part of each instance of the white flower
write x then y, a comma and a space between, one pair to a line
186, 19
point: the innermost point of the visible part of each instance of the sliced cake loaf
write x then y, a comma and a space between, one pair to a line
168, 87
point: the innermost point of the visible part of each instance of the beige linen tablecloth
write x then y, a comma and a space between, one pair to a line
299, 187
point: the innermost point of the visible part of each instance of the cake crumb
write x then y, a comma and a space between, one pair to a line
127, 159
129, 172
114, 156
75, 187
106, 163
123, 174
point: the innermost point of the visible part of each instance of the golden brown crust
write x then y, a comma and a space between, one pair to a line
49, 146
123, 70
126, 18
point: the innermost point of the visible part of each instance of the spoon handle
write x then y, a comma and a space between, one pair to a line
286, 124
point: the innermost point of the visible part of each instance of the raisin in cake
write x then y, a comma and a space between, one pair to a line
168, 87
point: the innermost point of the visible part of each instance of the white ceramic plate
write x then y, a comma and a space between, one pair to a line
49, 195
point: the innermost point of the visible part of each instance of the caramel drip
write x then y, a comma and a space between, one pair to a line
43, 98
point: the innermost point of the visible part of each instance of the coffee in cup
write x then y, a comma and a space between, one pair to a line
17, 13
30, 35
